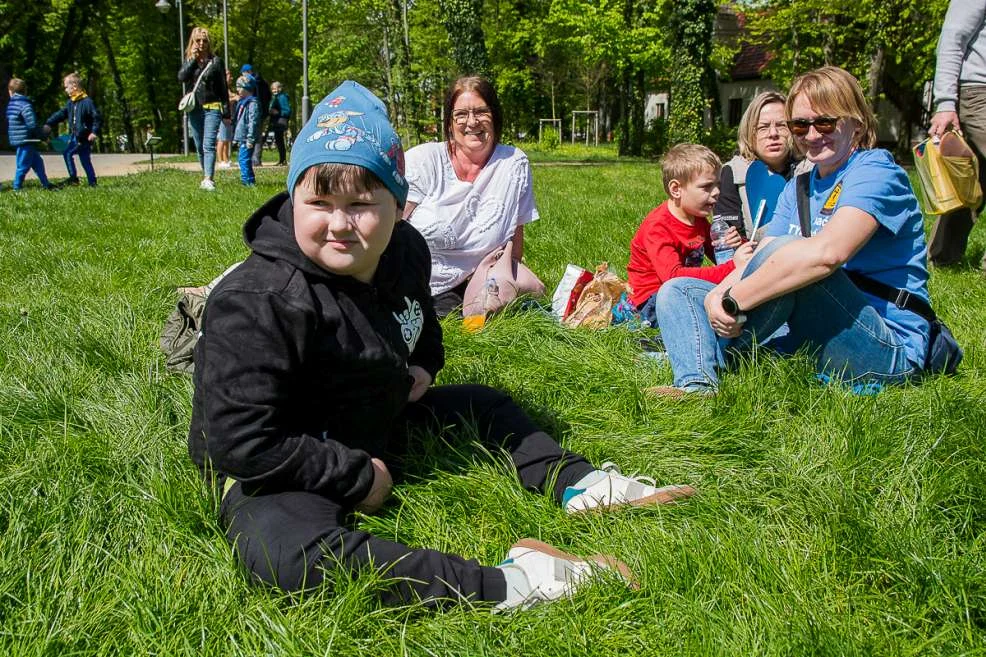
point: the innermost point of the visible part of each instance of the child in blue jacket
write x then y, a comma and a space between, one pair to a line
83, 121
247, 126
22, 132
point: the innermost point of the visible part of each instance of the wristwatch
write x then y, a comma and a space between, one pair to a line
729, 304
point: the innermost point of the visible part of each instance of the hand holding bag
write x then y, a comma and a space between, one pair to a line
948, 173
498, 280
187, 102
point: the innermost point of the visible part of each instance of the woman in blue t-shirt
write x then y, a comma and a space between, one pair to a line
864, 219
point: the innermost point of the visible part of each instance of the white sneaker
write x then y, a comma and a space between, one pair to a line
223, 165
207, 185
545, 573
606, 488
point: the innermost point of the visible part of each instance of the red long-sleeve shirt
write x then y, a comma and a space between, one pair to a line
664, 247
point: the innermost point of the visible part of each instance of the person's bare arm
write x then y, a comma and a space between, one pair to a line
793, 267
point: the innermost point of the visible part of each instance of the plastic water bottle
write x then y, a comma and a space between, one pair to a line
717, 232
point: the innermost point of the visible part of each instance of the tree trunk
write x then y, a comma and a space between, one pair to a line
873, 77
128, 127
625, 102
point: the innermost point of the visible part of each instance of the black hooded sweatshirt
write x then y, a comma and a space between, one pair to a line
300, 374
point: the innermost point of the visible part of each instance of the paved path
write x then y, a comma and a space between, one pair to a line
106, 164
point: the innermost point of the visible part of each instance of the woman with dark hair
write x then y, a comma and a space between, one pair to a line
211, 100
469, 195
825, 269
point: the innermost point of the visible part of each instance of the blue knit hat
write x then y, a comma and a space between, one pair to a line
350, 126
246, 82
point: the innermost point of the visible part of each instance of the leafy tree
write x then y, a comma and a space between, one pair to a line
889, 45
691, 24
463, 22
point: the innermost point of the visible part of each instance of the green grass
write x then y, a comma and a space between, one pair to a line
828, 524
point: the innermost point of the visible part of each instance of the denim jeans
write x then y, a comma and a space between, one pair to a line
84, 150
851, 341
204, 124
246, 165
29, 158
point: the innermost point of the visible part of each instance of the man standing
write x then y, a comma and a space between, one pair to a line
960, 103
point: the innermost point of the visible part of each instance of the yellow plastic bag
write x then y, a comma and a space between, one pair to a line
949, 174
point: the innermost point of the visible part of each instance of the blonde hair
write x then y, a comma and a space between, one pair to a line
685, 162
197, 32
746, 137
17, 86
74, 78
834, 91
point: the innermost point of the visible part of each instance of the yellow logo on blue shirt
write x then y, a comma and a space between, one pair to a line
833, 198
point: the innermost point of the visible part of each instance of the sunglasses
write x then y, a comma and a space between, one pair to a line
825, 125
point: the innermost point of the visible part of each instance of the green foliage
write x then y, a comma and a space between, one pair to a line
721, 138
889, 45
827, 523
547, 57
550, 139
691, 25
656, 138
463, 22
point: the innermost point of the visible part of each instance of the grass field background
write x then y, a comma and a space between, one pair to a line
828, 524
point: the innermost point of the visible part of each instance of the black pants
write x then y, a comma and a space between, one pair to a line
451, 300
289, 539
950, 234
279, 142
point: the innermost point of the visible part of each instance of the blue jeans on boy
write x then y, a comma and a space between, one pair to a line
246, 165
29, 158
852, 341
204, 124
84, 150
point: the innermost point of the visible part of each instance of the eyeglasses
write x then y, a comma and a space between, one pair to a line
825, 125
478, 113
779, 126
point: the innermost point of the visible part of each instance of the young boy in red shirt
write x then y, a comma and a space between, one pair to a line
674, 237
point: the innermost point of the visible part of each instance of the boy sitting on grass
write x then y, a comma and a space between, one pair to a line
317, 357
674, 237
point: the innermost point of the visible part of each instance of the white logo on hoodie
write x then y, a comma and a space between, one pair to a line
412, 321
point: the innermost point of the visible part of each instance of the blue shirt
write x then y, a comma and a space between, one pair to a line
763, 184
895, 255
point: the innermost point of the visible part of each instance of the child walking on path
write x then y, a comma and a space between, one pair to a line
247, 127
22, 132
84, 122
316, 359
673, 239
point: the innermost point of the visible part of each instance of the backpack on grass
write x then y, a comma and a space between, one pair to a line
182, 330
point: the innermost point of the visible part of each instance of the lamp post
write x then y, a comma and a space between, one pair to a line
164, 7
225, 37
305, 103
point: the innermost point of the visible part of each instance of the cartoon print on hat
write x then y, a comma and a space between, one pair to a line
350, 126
